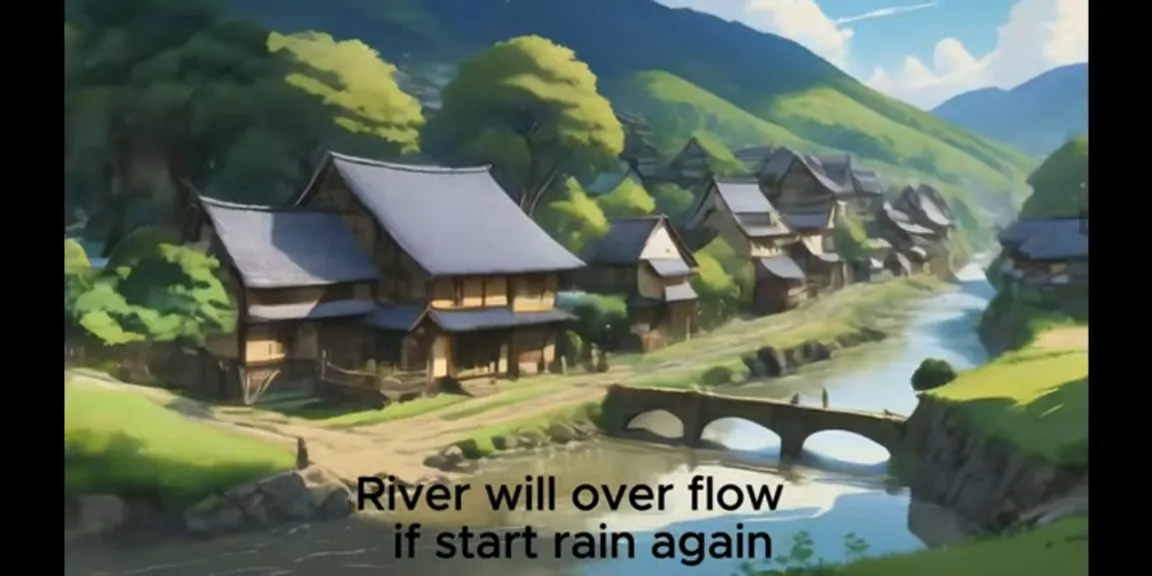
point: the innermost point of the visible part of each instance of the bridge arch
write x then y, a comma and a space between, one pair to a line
660, 422
741, 434
845, 446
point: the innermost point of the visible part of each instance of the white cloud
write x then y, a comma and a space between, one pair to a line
883, 12
802, 21
1039, 35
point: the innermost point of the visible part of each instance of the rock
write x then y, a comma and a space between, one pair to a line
448, 459
770, 358
311, 493
755, 367
436, 461
101, 513
818, 351
531, 438
500, 442
561, 433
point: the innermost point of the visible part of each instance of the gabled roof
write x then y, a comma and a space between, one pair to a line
284, 247
451, 221
778, 163
1048, 239
903, 221
808, 219
925, 205
754, 213
755, 157
625, 241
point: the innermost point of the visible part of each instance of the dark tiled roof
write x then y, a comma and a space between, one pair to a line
782, 267
778, 162
754, 214
669, 267
452, 221
904, 222
399, 317
807, 220
622, 244
493, 318
280, 248
1048, 239
309, 310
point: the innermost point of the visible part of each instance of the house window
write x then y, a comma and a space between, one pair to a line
533, 286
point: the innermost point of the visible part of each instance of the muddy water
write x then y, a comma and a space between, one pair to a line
838, 488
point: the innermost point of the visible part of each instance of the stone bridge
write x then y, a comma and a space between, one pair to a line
794, 423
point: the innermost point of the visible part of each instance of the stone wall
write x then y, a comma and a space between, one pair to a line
986, 481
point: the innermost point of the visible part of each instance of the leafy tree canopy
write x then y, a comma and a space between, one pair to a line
629, 198
360, 84
531, 109
575, 218
169, 294
672, 200
1060, 184
160, 93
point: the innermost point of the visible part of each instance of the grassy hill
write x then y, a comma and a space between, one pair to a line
1060, 184
687, 72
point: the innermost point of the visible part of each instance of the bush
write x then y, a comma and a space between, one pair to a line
601, 320
932, 373
716, 376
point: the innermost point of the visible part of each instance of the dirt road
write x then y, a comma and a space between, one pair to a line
399, 446
1072, 337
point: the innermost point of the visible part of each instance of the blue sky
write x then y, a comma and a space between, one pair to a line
924, 51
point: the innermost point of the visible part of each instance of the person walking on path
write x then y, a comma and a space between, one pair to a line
796, 398
824, 397
302, 460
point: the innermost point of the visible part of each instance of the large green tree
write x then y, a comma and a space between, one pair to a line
1060, 184
164, 93
531, 109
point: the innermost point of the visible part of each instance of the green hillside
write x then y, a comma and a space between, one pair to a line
684, 71
820, 120
1060, 184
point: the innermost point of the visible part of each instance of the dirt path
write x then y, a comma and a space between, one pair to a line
399, 447
1073, 337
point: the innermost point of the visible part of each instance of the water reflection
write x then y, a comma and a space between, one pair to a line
837, 487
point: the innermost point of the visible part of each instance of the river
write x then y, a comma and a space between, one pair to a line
839, 487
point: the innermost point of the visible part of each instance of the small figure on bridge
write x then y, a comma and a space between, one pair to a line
824, 397
796, 398
301, 454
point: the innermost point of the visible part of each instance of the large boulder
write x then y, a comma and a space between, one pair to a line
773, 362
312, 493
101, 513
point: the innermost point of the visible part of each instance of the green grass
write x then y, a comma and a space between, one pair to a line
1014, 318
479, 444
336, 417
885, 134
1060, 549
502, 400
118, 442
1037, 400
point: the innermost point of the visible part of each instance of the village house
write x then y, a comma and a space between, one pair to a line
1046, 253
777, 245
918, 225
452, 280
645, 260
697, 163
802, 180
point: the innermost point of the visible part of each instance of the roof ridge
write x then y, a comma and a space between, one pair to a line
216, 202
425, 168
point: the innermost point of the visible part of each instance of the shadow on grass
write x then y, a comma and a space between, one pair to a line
116, 463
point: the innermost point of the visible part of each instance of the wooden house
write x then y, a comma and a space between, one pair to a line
640, 151
924, 205
794, 180
430, 273
1046, 253
738, 212
468, 281
756, 158
645, 260
301, 285
815, 250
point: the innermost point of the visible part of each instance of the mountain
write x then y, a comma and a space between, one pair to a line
1036, 116
686, 72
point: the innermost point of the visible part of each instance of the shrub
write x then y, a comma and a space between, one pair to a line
932, 373
716, 376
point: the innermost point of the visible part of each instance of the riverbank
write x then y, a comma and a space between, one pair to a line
404, 440
1060, 549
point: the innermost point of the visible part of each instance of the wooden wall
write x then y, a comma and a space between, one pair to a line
525, 293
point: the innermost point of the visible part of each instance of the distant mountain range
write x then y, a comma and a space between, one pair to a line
685, 72
1036, 117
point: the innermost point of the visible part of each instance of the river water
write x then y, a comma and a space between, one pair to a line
839, 487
